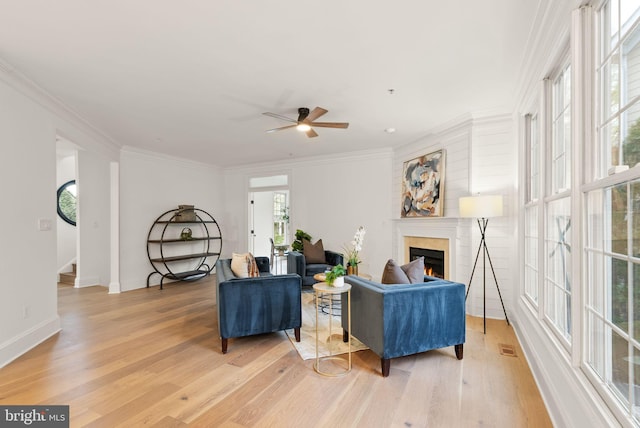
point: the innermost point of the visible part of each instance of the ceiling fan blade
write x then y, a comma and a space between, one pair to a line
311, 133
278, 116
281, 128
316, 113
342, 125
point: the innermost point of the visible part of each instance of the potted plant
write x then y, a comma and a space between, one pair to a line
353, 257
335, 276
300, 236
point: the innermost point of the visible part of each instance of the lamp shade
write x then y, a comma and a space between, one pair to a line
480, 206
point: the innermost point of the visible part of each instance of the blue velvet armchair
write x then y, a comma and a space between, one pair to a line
265, 304
404, 319
296, 263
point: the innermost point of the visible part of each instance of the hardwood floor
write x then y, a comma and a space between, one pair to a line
152, 358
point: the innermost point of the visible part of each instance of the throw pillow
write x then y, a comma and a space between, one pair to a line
411, 273
393, 274
239, 265
252, 266
414, 270
244, 265
313, 253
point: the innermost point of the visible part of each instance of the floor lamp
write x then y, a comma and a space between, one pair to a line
482, 208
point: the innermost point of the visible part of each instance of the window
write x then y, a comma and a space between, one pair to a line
280, 218
531, 267
67, 202
612, 218
557, 208
561, 132
557, 284
619, 84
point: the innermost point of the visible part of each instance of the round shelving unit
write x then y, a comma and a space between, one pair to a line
183, 250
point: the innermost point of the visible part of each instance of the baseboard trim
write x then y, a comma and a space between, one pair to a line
87, 281
27, 340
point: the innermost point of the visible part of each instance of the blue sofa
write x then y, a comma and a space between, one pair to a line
404, 319
296, 263
248, 306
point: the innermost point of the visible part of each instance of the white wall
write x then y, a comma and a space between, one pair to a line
28, 312
330, 197
30, 120
480, 156
151, 184
66, 233
93, 220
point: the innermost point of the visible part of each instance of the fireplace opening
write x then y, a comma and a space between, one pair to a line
433, 260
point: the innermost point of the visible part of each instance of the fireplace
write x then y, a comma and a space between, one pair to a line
435, 250
433, 260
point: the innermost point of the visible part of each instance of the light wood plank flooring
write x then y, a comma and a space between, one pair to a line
152, 358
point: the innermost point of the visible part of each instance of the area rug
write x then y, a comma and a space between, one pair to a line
307, 346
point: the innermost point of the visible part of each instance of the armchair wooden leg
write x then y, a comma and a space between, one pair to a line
459, 349
296, 332
345, 336
386, 365
225, 343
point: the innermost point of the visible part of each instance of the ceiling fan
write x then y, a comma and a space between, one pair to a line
305, 122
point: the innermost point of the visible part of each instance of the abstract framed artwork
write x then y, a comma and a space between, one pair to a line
423, 186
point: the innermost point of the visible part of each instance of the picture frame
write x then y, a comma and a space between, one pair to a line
422, 193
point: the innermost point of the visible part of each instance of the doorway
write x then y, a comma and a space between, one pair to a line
268, 213
66, 230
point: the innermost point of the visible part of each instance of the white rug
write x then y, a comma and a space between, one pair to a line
307, 346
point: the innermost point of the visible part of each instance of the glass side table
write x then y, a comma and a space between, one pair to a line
321, 288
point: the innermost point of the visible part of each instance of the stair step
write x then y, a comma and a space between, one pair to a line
68, 278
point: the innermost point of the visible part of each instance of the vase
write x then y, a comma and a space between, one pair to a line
352, 269
338, 282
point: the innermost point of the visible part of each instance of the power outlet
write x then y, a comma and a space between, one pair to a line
44, 224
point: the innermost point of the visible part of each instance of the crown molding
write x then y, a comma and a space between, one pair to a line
135, 151
356, 156
27, 87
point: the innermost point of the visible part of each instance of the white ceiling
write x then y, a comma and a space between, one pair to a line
191, 78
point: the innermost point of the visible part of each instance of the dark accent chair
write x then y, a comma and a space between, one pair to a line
296, 263
265, 304
404, 319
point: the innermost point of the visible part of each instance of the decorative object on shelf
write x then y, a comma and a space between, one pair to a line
423, 186
352, 253
188, 253
186, 234
335, 276
300, 236
482, 208
185, 213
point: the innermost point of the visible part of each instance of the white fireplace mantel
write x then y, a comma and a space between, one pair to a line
442, 228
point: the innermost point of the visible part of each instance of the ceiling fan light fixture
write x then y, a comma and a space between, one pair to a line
303, 127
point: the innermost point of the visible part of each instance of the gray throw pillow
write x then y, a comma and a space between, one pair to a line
411, 273
414, 270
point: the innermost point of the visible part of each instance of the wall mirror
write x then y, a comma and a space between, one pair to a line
67, 200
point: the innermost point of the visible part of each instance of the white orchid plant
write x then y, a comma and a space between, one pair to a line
353, 257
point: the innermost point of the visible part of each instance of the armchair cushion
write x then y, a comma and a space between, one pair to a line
313, 253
